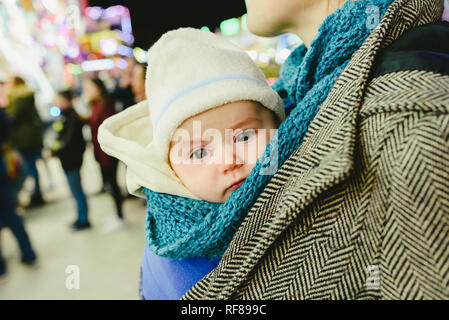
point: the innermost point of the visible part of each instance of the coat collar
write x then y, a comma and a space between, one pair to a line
326, 157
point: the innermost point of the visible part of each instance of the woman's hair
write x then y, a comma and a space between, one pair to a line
104, 94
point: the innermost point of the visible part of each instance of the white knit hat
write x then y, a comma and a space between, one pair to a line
189, 71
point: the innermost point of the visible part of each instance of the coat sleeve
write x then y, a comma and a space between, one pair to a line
416, 233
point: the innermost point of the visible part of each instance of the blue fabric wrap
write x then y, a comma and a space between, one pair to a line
168, 279
181, 228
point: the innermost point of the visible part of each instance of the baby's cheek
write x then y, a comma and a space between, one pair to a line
199, 179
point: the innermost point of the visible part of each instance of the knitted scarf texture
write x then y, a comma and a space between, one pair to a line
178, 227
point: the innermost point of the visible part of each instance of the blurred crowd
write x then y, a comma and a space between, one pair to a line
22, 132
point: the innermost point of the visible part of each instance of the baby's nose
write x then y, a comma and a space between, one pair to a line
231, 159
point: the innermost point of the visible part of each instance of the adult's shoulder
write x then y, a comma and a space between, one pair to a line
424, 48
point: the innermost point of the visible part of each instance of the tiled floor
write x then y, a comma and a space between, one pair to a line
106, 263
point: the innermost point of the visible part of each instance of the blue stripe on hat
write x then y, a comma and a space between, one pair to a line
200, 84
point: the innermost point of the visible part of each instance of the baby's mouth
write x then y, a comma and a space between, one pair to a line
236, 184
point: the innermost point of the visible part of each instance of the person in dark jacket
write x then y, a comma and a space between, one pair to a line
8, 215
26, 131
138, 82
102, 107
123, 94
69, 148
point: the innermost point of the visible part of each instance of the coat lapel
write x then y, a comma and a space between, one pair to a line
326, 157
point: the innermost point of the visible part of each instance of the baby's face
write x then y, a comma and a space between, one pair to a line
213, 152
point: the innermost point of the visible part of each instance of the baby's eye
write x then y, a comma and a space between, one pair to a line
245, 136
199, 153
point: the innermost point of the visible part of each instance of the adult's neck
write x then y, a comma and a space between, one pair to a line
307, 22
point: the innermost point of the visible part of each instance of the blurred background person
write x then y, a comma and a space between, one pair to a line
69, 147
137, 82
102, 107
123, 94
26, 132
8, 214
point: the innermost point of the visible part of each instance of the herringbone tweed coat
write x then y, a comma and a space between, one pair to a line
361, 209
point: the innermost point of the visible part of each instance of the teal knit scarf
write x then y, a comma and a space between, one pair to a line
178, 227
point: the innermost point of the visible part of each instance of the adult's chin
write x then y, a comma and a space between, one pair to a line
263, 28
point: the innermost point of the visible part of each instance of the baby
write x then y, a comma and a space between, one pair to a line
208, 116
